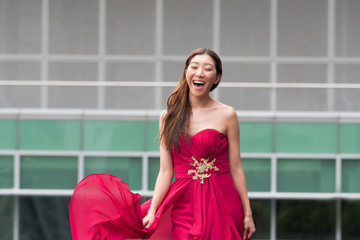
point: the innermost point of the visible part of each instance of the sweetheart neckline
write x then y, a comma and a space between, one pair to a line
207, 129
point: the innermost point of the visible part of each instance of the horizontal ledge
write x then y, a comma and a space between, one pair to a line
65, 83
143, 193
304, 196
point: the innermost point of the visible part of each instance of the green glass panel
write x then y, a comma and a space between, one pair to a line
153, 131
6, 172
154, 166
44, 218
350, 176
261, 210
6, 217
50, 134
256, 137
305, 219
350, 138
350, 219
114, 135
48, 172
129, 169
306, 137
7, 134
257, 173
306, 175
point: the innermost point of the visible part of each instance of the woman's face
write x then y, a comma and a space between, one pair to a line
201, 74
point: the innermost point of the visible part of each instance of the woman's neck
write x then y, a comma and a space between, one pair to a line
200, 102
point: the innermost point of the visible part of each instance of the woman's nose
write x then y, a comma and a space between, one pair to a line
200, 72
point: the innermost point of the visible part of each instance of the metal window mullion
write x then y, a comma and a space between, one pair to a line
159, 28
273, 192
101, 54
273, 53
216, 34
44, 53
145, 172
16, 216
81, 166
338, 227
330, 53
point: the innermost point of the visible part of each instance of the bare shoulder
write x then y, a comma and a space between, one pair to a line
227, 111
229, 119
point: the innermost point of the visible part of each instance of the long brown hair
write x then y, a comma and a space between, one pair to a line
178, 112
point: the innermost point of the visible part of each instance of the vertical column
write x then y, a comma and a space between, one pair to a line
330, 53
273, 102
216, 32
158, 53
101, 52
44, 52
273, 53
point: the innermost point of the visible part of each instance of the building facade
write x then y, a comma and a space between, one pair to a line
83, 83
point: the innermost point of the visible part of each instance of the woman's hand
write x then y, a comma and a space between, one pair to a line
148, 220
249, 227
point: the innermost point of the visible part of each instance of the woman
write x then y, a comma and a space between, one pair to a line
199, 141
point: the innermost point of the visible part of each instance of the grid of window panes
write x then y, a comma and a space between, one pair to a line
110, 55
292, 169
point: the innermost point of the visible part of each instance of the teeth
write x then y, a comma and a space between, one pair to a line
199, 82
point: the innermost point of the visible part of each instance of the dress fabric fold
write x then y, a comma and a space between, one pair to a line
202, 203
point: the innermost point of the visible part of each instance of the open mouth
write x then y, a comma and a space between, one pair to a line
199, 83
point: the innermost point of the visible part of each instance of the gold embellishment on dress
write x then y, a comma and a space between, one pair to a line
202, 167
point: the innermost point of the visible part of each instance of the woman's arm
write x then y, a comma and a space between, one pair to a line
163, 181
236, 170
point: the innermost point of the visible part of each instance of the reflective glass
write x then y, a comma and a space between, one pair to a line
44, 218
306, 175
306, 137
261, 210
129, 98
114, 135
246, 99
305, 220
245, 27
350, 219
302, 27
6, 217
154, 166
346, 100
129, 169
6, 172
130, 27
50, 134
19, 96
187, 25
152, 133
350, 138
48, 172
347, 32
302, 99
73, 26
7, 134
256, 137
257, 173
20, 26
68, 96
350, 176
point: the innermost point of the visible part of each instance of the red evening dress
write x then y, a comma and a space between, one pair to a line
202, 202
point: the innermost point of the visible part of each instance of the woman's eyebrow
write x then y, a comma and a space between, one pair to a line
204, 64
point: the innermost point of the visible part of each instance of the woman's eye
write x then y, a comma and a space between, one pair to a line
193, 67
208, 69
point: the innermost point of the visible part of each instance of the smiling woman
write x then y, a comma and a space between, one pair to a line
199, 142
